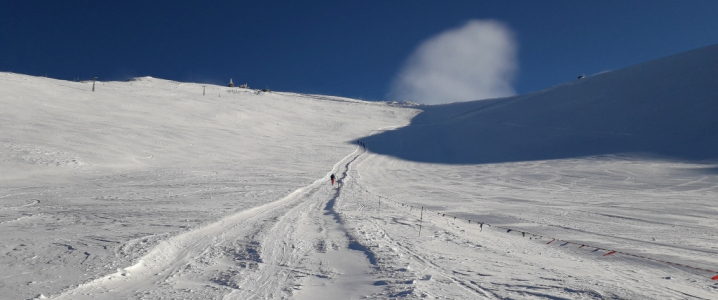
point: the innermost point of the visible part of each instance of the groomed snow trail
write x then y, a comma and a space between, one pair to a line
309, 253
264, 252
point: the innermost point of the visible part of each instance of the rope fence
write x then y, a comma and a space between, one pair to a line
524, 233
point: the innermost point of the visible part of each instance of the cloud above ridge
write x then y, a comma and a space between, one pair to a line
471, 62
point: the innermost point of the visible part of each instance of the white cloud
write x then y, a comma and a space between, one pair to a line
475, 61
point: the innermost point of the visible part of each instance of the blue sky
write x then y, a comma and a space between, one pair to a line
346, 48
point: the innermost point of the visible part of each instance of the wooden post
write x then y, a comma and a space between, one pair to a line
203, 89
421, 220
93, 83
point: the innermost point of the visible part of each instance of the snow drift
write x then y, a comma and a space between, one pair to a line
665, 108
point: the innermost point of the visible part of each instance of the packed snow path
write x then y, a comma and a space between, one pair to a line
259, 253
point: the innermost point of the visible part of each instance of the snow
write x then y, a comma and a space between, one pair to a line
665, 108
148, 190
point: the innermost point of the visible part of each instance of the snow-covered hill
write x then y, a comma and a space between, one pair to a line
666, 107
149, 189
91, 181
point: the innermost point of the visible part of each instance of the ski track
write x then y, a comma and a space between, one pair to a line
222, 259
266, 252
557, 271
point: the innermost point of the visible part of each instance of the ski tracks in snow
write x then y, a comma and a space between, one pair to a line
308, 253
347, 242
458, 260
271, 251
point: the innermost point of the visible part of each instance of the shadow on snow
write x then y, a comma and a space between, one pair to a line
665, 108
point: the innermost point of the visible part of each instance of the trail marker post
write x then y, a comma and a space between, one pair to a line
93, 83
421, 220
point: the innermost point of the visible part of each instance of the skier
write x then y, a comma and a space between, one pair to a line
332, 177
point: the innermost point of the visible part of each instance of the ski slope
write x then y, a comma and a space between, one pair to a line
148, 189
664, 108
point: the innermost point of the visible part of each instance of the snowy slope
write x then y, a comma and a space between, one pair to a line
665, 107
149, 190
92, 181
154, 123
623, 160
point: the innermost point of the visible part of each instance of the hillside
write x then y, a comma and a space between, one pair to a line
600, 188
663, 108
91, 181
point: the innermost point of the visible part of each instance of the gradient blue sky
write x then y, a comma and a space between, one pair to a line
345, 48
